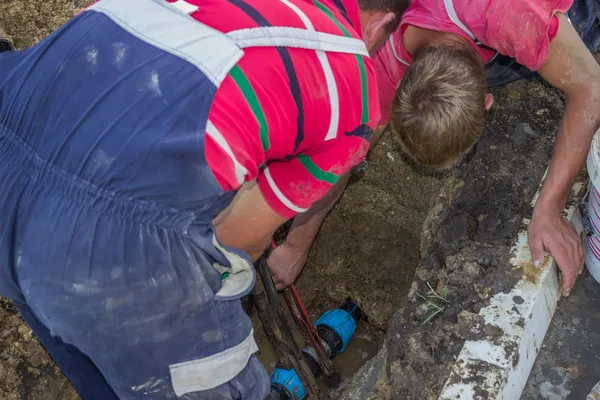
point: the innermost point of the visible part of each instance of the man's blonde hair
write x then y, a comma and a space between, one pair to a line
439, 109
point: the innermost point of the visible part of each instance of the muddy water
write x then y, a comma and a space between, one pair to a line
360, 350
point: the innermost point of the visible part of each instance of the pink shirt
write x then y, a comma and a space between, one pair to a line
521, 29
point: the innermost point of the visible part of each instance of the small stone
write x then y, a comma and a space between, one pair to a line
471, 270
362, 166
536, 91
421, 311
514, 95
522, 133
493, 147
25, 332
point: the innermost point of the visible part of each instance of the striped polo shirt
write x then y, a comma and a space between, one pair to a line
292, 118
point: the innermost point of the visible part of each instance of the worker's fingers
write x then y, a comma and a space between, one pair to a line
569, 278
569, 257
281, 284
537, 251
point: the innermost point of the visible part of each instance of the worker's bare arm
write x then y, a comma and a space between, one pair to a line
573, 69
287, 261
248, 223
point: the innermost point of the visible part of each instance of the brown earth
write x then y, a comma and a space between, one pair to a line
26, 370
466, 245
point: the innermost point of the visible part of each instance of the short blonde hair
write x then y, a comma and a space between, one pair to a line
439, 109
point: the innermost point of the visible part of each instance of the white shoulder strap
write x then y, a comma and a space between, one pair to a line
454, 18
297, 37
391, 39
164, 26
185, 7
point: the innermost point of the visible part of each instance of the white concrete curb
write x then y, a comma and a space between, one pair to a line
498, 367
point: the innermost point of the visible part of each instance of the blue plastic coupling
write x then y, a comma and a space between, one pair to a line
341, 322
288, 379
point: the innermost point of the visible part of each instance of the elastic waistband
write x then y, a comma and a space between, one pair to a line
18, 158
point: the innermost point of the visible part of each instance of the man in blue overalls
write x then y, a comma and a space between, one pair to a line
124, 138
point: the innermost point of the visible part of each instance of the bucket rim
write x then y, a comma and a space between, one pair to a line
593, 162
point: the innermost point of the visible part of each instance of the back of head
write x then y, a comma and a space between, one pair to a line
397, 7
439, 109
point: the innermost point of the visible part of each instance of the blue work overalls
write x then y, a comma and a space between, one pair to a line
107, 246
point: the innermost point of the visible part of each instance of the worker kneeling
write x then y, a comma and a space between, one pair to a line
124, 138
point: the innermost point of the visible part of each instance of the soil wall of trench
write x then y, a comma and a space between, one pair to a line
465, 246
398, 230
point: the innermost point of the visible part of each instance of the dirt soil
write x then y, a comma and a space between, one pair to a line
368, 248
466, 244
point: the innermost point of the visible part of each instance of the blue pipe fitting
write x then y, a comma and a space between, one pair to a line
341, 322
289, 379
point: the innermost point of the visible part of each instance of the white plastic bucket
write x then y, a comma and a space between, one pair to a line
592, 255
593, 209
592, 241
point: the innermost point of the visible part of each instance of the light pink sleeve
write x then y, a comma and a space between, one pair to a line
386, 82
521, 29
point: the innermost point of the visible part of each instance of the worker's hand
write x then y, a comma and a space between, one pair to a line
549, 230
286, 263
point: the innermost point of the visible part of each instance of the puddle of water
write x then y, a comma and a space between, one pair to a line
358, 352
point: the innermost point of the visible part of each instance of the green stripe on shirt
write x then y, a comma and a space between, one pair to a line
248, 91
359, 59
316, 171
364, 88
331, 16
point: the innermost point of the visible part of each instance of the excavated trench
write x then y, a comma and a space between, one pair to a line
402, 235
368, 249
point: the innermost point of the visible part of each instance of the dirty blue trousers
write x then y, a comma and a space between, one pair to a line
106, 204
585, 17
